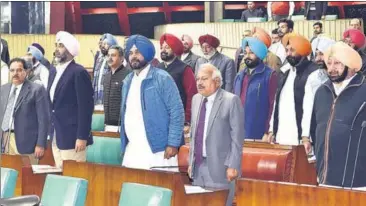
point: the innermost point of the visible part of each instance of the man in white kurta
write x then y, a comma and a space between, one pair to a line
152, 113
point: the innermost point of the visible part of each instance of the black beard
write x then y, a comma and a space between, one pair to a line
321, 65
104, 51
251, 63
293, 61
341, 78
165, 57
137, 64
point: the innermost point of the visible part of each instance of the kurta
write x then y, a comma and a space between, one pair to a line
138, 153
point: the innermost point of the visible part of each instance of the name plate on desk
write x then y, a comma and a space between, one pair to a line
39, 169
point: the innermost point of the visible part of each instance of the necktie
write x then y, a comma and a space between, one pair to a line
199, 134
9, 108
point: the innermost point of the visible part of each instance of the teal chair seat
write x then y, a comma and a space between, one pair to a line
105, 150
8, 182
98, 122
256, 19
331, 17
226, 20
62, 190
134, 194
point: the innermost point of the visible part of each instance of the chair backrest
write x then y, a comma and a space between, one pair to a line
62, 190
331, 17
104, 150
256, 19
97, 122
8, 182
226, 20
134, 194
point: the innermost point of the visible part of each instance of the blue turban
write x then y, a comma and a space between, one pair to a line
110, 39
36, 53
256, 46
143, 44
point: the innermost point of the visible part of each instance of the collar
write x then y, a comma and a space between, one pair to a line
169, 63
258, 69
357, 80
212, 97
143, 74
19, 87
63, 66
118, 69
345, 83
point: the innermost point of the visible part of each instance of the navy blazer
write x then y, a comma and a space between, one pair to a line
72, 106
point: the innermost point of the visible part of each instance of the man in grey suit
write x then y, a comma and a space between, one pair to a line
217, 134
24, 114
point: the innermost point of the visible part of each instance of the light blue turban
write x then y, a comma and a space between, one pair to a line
143, 44
36, 53
110, 39
256, 46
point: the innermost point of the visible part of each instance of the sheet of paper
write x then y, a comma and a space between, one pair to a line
111, 128
38, 169
99, 107
190, 189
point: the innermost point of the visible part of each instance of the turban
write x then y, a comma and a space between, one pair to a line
357, 37
110, 39
256, 46
36, 53
174, 43
189, 40
321, 43
345, 54
262, 35
38, 46
143, 44
301, 45
210, 40
69, 41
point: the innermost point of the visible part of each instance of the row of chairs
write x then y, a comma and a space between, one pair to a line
262, 19
62, 190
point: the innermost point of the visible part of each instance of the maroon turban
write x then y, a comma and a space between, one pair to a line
174, 43
210, 40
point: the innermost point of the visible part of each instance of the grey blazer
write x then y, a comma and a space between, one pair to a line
226, 66
31, 115
225, 134
191, 60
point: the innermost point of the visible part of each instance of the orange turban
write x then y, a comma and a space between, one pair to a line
262, 35
209, 39
175, 44
301, 45
345, 54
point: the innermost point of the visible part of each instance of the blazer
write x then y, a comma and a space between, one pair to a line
191, 60
225, 134
320, 6
31, 116
5, 57
72, 106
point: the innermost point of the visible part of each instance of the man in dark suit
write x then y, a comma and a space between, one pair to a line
5, 57
217, 134
315, 10
71, 96
24, 114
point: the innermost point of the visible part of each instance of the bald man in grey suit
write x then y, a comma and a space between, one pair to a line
217, 134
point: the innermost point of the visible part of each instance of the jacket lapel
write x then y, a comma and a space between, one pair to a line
22, 94
62, 81
215, 108
51, 78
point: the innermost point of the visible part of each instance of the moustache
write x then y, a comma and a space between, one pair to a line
164, 53
110, 61
200, 86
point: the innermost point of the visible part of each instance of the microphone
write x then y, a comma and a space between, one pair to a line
349, 144
92, 53
363, 125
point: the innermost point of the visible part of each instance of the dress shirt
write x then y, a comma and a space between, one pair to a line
19, 87
60, 68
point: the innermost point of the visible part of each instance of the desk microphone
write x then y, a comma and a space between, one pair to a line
349, 144
363, 125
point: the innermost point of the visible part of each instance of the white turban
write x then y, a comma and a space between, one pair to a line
69, 41
321, 43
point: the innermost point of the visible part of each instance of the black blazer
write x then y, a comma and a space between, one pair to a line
320, 8
5, 57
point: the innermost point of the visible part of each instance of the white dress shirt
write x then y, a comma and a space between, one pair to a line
60, 68
209, 104
184, 56
19, 87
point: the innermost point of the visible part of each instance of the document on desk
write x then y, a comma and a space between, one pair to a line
190, 189
39, 169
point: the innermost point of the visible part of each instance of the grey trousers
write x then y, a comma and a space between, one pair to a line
203, 179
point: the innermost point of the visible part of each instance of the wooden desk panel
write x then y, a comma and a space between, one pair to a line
106, 134
251, 192
47, 158
105, 184
15, 162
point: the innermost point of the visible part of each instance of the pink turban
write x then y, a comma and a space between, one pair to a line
69, 41
188, 39
357, 37
345, 54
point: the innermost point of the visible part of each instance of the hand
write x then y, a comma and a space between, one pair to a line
268, 137
170, 152
80, 145
189, 171
38, 152
231, 174
323, 17
187, 129
307, 146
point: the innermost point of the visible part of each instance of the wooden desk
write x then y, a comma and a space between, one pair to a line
251, 192
106, 134
105, 184
47, 158
16, 162
98, 112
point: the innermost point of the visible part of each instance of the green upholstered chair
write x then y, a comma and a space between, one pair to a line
298, 18
105, 150
8, 181
62, 190
256, 19
226, 20
134, 194
331, 17
98, 122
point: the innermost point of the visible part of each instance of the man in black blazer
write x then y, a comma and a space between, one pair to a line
5, 57
315, 10
71, 99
